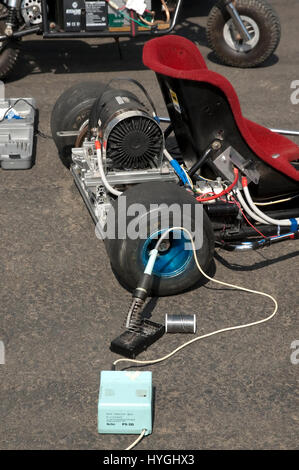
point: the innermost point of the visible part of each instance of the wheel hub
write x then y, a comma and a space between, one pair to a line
233, 40
32, 11
173, 258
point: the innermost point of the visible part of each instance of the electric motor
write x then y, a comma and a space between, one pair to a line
132, 138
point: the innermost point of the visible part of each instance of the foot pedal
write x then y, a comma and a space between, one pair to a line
131, 343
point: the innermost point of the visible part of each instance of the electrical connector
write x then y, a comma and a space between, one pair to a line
137, 5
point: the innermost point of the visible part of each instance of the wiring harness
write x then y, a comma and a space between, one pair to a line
138, 7
250, 210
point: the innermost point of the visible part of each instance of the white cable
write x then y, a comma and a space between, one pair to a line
248, 210
103, 176
167, 155
151, 262
246, 325
284, 222
137, 440
270, 203
188, 177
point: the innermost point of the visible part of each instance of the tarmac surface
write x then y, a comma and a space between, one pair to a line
61, 304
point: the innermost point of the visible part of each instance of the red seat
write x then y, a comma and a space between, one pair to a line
177, 57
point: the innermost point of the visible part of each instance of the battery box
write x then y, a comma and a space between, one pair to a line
84, 15
73, 15
96, 15
125, 402
17, 133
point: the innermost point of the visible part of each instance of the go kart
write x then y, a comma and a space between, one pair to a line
243, 176
243, 33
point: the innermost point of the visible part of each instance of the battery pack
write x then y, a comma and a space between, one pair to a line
17, 133
72, 13
96, 15
84, 15
125, 402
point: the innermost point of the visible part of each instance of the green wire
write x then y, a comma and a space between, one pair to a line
133, 19
128, 17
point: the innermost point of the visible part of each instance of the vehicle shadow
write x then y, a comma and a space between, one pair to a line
106, 54
255, 266
101, 54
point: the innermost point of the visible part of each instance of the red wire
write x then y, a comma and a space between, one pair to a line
133, 23
225, 191
243, 214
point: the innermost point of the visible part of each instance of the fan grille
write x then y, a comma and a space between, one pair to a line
135, 143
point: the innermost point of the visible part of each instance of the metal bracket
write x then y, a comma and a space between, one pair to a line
225, 161
68, 133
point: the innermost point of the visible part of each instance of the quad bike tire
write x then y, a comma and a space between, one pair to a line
175, 270
71, 113
9, 51
261, 21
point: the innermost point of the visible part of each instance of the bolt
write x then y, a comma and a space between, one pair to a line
164, 246
8, 30
216, 145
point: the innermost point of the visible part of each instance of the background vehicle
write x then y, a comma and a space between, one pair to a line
243, 33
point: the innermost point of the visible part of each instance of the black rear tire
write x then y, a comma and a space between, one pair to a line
127, 254
262, 14
9, 50
70, 112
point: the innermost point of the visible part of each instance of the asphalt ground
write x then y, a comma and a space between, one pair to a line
61, 304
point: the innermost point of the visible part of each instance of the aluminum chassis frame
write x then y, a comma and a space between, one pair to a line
90, 180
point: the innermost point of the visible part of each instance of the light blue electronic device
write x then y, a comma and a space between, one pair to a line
125, 402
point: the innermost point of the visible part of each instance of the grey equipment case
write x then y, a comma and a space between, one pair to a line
17, 133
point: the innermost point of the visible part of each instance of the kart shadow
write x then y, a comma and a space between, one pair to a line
104, 54
101, 54
259, 265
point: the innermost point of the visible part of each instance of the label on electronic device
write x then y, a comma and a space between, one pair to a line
73, 15
96, 15
120, 419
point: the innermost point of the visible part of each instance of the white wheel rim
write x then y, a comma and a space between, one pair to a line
229, 34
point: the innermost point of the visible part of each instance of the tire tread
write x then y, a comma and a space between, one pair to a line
272, 19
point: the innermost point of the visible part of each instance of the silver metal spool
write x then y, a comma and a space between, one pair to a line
180, 323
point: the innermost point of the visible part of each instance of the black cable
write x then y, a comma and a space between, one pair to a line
42, 135
38, 132
168, 131
94, 111
138, 84
13, 105
200, 162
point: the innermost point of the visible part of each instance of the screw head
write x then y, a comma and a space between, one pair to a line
216, 145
